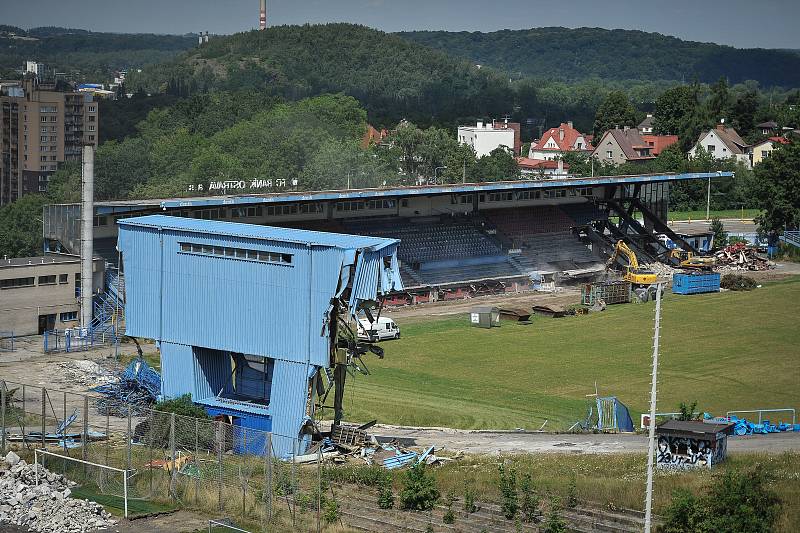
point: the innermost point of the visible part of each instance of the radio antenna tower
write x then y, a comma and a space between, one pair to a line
262, 15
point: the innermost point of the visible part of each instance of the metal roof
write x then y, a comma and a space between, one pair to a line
269, 233
694, 427
115, 206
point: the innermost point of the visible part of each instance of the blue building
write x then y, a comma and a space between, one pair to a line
247, 317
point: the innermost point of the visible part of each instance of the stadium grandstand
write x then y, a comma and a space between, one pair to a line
455, 239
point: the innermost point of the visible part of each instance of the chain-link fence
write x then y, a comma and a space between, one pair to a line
168, 458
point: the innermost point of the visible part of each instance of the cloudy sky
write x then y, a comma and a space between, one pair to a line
741, 23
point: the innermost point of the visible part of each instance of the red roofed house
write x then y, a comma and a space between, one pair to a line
620, 146
545, 168
659, 142
556, 141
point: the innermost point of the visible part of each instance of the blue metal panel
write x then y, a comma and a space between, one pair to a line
288, 405
176, 377
212, 373
249, 431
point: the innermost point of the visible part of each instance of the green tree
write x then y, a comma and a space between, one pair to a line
499, 165
508, 492
740, 502
616, 111
419, 489
687, 411
673, 109
719, 104
21, 226
776, 188
720, 235
743, 114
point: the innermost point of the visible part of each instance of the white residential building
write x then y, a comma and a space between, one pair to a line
723, 143
484, 139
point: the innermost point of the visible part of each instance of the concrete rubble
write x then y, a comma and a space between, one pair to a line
739, 256
85, 372
46, 507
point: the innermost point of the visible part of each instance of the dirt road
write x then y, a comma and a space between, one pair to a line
496, 442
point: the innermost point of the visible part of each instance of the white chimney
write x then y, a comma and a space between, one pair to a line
480, 125
570, 124
561, 134
87, 235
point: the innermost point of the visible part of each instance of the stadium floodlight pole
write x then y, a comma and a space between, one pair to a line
651, 441
708, 201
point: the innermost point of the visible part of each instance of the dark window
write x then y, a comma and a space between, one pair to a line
69, 317
63, 278
47, 280
16, 282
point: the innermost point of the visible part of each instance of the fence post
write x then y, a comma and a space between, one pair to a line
85, 437
3, 415
242, 480
269, 474
24, 412
319, 486
64, 436
220, 440
196, 458
125, 490
129, 439
173, 470
44, 414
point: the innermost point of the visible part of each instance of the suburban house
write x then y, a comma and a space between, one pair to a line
484, 138
767, 128
723, 143
620, 146
556, 141
646, 126
659, 142
542, 168
761, 150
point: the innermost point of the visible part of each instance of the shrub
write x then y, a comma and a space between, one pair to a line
508, 492
687, 411
469, 498
419, 491
736, 501
737, 282
530, 500
385, 494
554, 523
572, 493
330, 511
449, 516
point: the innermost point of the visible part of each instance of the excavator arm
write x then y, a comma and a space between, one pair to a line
622, 249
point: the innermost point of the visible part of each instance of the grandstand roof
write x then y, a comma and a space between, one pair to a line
120, 206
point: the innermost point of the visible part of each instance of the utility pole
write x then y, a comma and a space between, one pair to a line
651, 443
708, 200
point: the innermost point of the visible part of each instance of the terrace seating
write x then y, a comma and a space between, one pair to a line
523, 221
584, 213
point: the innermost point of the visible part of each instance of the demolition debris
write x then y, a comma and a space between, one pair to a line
135, 391
741, 257
48, 506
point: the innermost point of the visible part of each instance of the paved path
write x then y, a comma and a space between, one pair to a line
494, 442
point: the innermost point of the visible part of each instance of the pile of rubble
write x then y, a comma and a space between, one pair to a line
135, 391
662, 270
347, 444
741, 257
85, 372
46, 507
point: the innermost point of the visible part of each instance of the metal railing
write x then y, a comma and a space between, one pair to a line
761, 413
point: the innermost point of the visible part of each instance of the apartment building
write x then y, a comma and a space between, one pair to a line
42, 124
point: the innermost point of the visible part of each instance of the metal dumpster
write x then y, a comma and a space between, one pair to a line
695, 282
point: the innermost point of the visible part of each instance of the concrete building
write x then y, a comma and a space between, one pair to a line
620, 146
248, 318
723, 143
556, 141
39, 294
485, 138
40, 127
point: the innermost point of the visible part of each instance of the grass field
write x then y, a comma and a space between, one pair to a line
701, 215
728, 351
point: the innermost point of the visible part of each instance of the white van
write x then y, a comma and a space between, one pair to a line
384, 328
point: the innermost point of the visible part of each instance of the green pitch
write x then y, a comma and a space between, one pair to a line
727, 351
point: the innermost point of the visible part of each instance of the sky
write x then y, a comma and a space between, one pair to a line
740, 23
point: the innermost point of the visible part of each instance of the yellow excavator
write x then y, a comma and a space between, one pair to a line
633, 272
689, 261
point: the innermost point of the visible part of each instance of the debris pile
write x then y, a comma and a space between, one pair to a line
136, 391
745, 427
46, 507
85, 372
741, 257
662, 270
352, 443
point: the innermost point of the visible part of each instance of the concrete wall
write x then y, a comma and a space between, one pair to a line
21, 307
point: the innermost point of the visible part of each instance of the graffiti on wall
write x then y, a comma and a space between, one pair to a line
686, 452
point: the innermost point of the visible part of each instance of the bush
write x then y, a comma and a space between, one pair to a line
508, 492
385, 494
331, 512
530, 500
572, 493
449, 516
687, 411
554, 523
419, 491
737, 282
469, 498
737, 501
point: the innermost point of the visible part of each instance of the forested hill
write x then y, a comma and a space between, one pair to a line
576, 54
392, 77
94, 55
